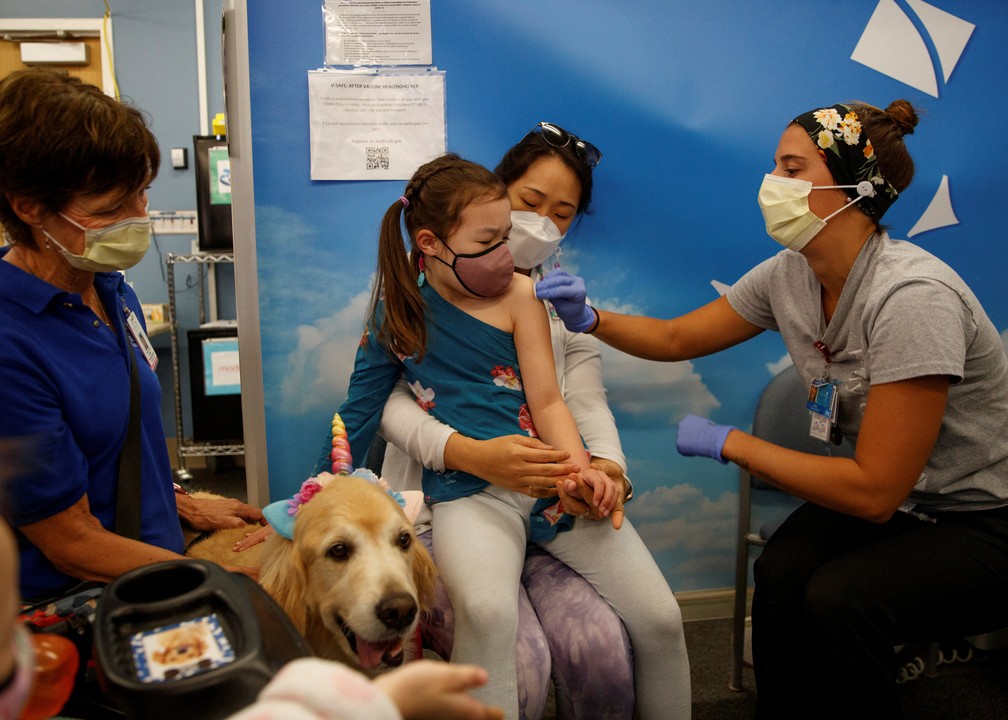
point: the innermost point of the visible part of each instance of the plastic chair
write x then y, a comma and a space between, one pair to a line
781, 418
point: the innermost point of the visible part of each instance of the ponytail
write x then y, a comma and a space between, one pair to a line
434, 200
402, 328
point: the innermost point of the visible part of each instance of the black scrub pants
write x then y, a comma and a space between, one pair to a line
834, 595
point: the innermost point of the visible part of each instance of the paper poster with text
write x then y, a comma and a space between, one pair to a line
378, 32
366, 126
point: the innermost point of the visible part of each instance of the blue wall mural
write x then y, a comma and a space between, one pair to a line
687, 101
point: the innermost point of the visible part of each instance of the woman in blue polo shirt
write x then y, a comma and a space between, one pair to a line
74, 169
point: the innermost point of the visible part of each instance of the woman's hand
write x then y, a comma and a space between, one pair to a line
700, 436
432, 690
568, 295
215, 514
514, 462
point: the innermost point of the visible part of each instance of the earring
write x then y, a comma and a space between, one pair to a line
46, 235
421, 277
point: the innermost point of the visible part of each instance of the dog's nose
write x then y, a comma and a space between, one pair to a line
396, 611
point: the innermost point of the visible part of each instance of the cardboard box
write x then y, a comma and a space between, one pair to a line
155, 312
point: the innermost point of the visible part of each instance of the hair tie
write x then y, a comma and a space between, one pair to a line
404, 201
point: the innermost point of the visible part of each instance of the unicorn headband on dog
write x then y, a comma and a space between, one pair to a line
281, 514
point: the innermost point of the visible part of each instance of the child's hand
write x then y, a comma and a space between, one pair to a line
428, 689
619, 477
253, 538
604, 491
592, 494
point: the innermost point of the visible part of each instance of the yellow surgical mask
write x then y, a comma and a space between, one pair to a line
115, 247
784, 202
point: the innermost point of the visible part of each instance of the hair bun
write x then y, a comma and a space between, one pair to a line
903, 115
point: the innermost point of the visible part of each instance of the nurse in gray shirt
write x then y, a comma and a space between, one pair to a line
907, 540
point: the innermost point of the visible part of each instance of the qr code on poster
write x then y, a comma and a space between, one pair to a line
377, 158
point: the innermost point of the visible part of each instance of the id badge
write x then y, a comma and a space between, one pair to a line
822, 405
141, 339
820, 427
822, 398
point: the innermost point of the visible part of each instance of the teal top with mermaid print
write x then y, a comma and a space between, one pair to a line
469, 378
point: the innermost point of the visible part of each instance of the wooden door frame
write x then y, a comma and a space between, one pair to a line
85, 26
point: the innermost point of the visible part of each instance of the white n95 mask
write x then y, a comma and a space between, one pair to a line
784, 202
533, 238
116, 247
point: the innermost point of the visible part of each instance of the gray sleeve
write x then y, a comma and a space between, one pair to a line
750, 296
921, 328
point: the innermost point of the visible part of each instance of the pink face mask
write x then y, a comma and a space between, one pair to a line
484, 274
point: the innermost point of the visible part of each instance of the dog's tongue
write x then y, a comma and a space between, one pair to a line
371, 655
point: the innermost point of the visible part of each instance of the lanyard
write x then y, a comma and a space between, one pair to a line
824, 349
823, 400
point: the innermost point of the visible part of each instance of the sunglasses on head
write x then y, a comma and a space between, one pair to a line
558, 137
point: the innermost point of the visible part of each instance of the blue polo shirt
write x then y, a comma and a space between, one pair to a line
65, 395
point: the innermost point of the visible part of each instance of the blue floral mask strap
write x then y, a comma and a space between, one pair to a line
849, 155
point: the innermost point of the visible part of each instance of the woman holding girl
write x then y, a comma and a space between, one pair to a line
549, 176
472, 341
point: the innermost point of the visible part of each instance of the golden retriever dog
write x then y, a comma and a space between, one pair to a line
353, 580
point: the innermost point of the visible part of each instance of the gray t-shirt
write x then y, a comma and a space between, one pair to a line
903, 314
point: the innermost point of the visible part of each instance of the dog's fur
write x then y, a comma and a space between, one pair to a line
354, 578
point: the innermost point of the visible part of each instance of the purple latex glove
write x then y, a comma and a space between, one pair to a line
700, 436
568, 295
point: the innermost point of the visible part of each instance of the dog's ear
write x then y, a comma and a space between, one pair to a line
424, 572
285, 578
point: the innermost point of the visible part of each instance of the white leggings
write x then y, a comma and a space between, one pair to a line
479, 543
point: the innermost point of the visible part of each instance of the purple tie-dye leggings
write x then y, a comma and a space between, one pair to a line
555, 603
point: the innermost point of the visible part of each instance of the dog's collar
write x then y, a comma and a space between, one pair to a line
281, 514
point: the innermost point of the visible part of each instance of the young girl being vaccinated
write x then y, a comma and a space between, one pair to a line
473, 343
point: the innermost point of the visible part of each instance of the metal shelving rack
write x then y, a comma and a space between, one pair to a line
186, 446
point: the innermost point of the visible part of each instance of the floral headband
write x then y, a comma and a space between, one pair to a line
281, 514
849, 155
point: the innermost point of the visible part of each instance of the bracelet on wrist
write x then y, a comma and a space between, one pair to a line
179, 490
594, 325
628, 488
